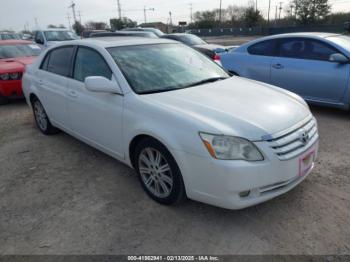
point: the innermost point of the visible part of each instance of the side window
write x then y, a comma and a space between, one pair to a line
45, 63
306, 49
90, 63
317, 50
60, 60
265, 48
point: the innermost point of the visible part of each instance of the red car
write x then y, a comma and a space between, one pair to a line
14, 56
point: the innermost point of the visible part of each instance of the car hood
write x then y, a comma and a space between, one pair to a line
237, 107
215, 48
15, 64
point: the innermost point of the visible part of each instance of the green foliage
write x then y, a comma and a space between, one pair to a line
252, 17
78, 28
311, 11
91, 25
117, 24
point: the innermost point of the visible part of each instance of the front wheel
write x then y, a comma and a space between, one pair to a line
3, 100
159, 174
42, 120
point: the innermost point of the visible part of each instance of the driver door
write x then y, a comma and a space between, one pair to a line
302, 66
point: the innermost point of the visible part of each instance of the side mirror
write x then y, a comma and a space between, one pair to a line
39, 41
339, 58
100, 84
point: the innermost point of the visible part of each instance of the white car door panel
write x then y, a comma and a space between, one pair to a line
95, 117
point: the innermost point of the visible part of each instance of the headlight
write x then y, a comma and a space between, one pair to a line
14, 76
231, 148
4, 76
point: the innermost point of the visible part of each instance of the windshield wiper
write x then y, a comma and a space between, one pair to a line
208, 80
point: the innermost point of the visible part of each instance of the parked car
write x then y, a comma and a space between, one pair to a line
88, 33
177, 118
125, 33
49, 37
313, 65
199, 44
14, 56
9, 36
155, 31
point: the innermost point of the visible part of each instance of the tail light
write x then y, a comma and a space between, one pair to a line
216, 58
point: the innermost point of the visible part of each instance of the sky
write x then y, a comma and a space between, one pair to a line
16, 14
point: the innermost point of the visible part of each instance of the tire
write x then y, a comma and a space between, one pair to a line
42, 120
158, 172
3, 100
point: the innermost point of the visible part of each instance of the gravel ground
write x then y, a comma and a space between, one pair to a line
60, 196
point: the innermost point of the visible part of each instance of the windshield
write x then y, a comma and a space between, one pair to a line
164, 67
342, 40
191, 40
60, 35
10, 36
12, 51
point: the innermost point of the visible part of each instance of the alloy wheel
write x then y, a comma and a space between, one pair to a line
155, 172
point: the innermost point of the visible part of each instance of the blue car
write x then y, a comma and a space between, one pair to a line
314, 65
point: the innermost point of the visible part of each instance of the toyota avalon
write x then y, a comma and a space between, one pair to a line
176, 117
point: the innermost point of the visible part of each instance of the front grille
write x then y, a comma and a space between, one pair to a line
296, 142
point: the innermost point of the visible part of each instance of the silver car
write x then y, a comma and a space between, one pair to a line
313, 65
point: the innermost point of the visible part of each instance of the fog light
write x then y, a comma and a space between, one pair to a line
244, 193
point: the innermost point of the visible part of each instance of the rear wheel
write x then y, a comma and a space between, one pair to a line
159, 174
42, 120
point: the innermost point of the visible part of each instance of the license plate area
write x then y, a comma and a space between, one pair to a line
306, 162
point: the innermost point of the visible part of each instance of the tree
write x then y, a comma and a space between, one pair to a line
311, 11
56, 26
78, 28
252, 17
91, 25
117, 24
205, 19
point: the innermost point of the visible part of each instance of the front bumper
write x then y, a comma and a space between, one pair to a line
11, 89
240, 184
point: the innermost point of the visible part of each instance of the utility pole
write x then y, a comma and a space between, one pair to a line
79, 14
220, 12
279, 16
145, 12
119, 10
191, 11
256, 6
276, 15
73, 10
68, 17
268, 14
36, 23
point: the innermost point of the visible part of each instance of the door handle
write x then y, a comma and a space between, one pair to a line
278, 66
73, 94
41, 82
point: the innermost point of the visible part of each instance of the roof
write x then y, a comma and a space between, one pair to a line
120, 41
302, 34
14, 42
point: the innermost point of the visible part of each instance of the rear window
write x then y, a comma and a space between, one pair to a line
60, 61
13, 51
265, 48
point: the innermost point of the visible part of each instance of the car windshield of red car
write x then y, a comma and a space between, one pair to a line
12, 51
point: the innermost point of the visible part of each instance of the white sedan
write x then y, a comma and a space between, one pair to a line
176, 117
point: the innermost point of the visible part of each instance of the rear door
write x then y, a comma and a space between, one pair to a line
52, 82
302, 66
